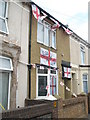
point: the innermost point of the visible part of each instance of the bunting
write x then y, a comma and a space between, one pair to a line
43, 16
69, 32
55, 26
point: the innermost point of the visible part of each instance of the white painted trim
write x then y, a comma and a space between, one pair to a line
5, 19
51, 31
10, 64
9, 90
36, 82
57, 81
48, 82
74, 65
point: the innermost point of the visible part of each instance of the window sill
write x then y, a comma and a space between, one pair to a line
50, 97
46, 45
4, 33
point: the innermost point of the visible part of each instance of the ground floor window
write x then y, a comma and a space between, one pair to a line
5, 78
47, 82
85, 83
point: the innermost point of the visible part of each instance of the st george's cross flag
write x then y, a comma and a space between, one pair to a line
67, 72
36, 12
56, 25
47, 57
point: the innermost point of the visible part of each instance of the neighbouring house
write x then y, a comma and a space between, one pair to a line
79, 62
49, 57
14, 38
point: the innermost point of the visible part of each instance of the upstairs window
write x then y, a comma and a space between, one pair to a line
45, 35
3, 16
53, 39
82, 55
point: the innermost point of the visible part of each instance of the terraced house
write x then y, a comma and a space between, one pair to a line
79, 62
14, 35
34, 55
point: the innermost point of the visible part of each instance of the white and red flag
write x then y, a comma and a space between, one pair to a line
55, 26
43, 16
74, 95
69, 32
61, 83
47, 57
67, 72
67, 88
36, 12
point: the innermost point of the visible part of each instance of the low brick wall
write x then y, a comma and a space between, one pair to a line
75, 107
71, 108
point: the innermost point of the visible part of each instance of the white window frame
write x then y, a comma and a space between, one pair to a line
6, 69
44, 23
48, 82
85, 80
5, 18
51, 39
56, 80
82, 49
3, 70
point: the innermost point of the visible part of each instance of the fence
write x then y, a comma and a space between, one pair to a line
71, 108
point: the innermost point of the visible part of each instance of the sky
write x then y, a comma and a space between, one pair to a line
71, 12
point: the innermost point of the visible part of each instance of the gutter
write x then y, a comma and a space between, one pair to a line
29, 70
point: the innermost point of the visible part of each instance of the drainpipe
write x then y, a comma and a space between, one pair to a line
30, 30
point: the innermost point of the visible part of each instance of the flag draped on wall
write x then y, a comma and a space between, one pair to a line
47, 57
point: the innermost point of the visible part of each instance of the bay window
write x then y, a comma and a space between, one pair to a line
46, 82
3, 16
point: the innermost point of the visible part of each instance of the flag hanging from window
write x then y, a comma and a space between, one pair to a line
47, 57
36, 12
69, 32
67, 72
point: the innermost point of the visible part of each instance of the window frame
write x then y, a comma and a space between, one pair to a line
6, 69
48, 82
48, 26
5, 19
85, 80
82, 50
54, 47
